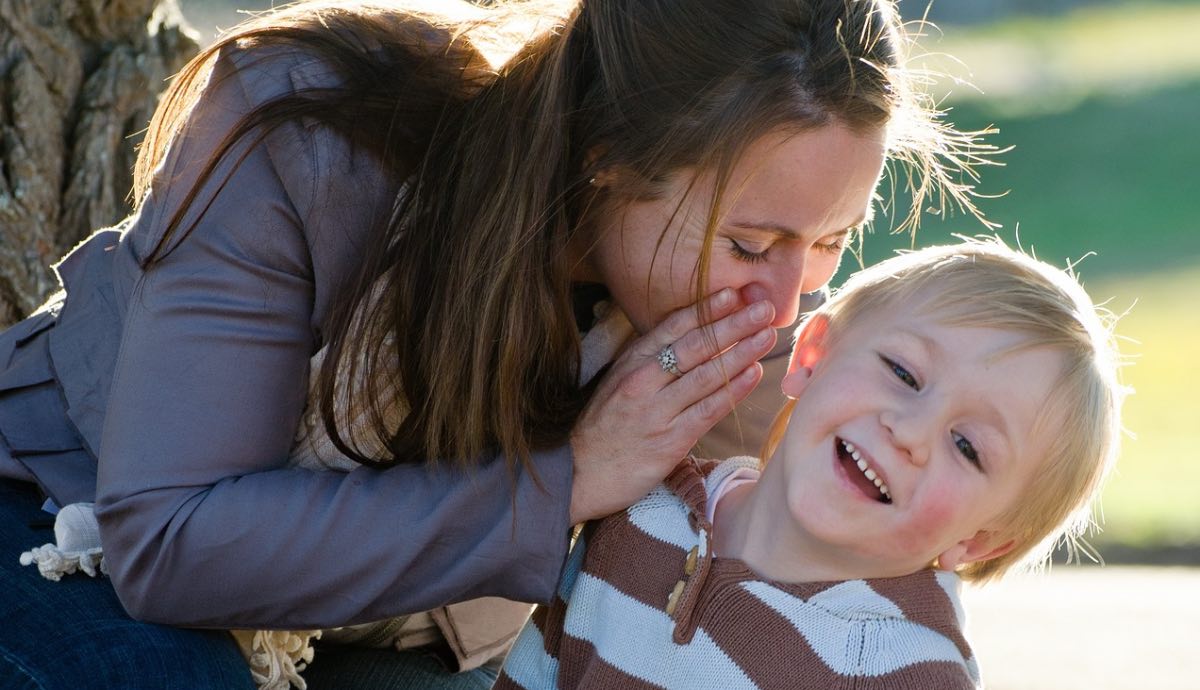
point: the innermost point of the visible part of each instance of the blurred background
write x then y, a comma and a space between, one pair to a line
1100, 102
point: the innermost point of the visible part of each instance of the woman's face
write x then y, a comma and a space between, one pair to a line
791, 203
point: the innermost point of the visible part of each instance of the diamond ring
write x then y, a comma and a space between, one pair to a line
668, 362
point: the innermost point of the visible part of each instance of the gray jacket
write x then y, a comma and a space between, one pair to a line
187, 380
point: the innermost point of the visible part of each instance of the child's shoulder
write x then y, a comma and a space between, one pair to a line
695, 481
709, 469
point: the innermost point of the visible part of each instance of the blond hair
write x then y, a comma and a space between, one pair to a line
984, 283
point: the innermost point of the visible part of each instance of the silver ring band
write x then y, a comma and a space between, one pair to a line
668, 361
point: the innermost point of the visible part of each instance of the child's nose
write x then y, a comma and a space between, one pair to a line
907, 434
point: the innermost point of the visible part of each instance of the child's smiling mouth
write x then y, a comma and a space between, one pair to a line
860, 472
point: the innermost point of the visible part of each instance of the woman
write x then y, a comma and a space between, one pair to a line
434, 201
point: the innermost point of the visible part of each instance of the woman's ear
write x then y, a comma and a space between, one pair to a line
606, 177
809, 349
602, 177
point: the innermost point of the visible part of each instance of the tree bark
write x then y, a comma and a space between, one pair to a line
79, 80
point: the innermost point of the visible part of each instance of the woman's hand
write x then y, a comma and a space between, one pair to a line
643, 419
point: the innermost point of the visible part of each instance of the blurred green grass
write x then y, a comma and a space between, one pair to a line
1152, 499
1037, 63
1112, 175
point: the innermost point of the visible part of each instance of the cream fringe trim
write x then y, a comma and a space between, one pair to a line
53, 562
277, 657
77, 547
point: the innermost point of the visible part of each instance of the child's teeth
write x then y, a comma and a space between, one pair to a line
866, 469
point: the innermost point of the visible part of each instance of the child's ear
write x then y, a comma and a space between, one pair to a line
985, 545
809, 349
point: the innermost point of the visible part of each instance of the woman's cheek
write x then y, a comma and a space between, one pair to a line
724, 271
820, 277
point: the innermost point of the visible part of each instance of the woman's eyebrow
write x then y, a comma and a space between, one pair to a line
787, 232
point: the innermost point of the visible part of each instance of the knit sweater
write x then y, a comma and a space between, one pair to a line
643, 603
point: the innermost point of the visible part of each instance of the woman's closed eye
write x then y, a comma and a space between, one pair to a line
744, 253
753, 252
901, 373
833, 246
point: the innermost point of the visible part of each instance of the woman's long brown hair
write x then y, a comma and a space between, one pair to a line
464, 303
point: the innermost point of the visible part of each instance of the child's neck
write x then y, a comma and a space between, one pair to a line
747, 526
741, 531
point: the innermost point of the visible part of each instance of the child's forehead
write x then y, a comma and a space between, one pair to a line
925, 318
947, 340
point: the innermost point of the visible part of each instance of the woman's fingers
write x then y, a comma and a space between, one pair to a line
719, 384
708, 357
703, 343
718, 305
642, 420
679, 323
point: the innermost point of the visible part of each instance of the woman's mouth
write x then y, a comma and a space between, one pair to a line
860, 473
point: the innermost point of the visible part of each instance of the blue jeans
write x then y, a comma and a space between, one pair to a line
74, 634
341, 668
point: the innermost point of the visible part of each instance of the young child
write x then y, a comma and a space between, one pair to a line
953, 411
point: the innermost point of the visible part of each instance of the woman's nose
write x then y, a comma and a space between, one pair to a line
783, 290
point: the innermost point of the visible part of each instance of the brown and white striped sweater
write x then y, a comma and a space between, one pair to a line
642, 603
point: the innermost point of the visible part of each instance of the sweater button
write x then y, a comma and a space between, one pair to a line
673, 600
689, 566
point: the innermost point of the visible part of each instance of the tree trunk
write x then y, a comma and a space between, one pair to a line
79, 80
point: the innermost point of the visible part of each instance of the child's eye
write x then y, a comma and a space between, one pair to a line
742, 254
902, 374
968, 451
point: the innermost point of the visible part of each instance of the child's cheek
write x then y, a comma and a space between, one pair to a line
932, 524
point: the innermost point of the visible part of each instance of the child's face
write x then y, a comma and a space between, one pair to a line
941, 414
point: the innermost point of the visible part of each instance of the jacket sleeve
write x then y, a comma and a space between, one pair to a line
202, 522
